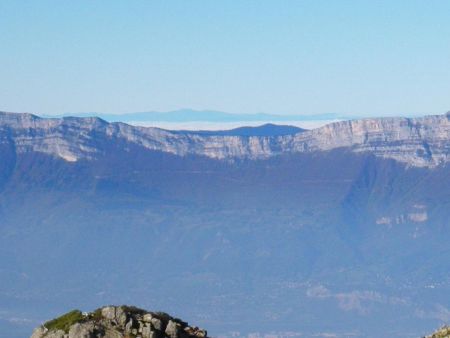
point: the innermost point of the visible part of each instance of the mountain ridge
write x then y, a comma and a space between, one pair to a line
268, 129
418, 142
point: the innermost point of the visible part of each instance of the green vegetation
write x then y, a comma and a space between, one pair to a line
179, 321
96, 315
65, 321
132, 309
164, 316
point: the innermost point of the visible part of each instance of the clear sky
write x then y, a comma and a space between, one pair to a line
289, 57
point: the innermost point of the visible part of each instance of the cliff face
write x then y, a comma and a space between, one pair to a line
417, 142
117, 322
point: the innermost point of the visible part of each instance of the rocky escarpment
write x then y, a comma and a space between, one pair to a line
117, 322
420, 142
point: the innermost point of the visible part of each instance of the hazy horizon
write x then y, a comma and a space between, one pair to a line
309, 57
180, 119
216, 122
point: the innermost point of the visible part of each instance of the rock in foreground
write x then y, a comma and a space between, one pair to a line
443, 332
117, 322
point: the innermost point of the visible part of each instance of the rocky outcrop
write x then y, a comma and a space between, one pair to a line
420, 142
443, 332
117, 322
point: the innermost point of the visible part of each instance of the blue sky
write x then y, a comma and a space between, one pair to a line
289, 57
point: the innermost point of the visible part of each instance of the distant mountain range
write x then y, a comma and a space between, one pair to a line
337, 231
190, 115
268, 129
